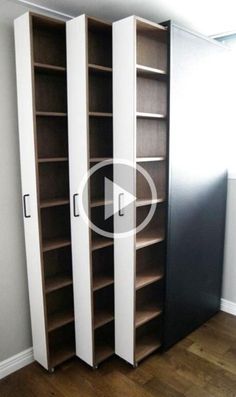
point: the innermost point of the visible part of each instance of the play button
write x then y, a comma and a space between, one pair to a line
118, 197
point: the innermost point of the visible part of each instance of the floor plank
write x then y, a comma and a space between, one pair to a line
201, 365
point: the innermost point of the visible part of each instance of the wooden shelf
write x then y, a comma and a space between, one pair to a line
64, 352
148, 277
143, 202
60, 319
99, 68
52, 159
146, 345
102, 281
57, 282
148, 238
103, 351
102, 317
153, 73
51, 114
48, 68
147, 159
150, 115
52, 244
100, 114
54, 202
99, 203
99, 159
145, 314
101, 242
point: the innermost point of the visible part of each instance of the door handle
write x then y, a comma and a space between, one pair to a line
75, 205
25, 199
121, 207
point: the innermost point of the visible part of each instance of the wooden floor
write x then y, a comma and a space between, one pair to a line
201, 365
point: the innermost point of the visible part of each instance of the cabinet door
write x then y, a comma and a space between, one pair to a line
197, 183
124, 103
29, 185
78, 154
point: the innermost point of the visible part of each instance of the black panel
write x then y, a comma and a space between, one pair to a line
197, 185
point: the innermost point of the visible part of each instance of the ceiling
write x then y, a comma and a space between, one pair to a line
209, 17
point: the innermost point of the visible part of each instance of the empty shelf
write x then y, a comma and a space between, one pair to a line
148, 238
146, 278
99, 159
146, 71
52, 159
44, 67
99, 203
102, 281
100, 114
61, 354
102, 317
150, 115
143, 202
145, 314
146, 345
54, 202
60, 319
52, 244
57, 282
103, 351
101, 242
99, 68
147, 159
51, 114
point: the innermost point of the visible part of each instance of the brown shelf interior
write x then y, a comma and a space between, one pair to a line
100, 92
101, 148
148, 339
49, 41
150, 263
155, 230
60, 310
157, 171
52, 137
97, 183
104, 343
61, 345
149, 303
103, 300
57, 269
99, 43
101, 137
53, 181
151, 96
151, 138
50, 92
151, 47
103, 268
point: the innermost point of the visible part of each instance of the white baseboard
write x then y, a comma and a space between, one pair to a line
228, 306
16, 362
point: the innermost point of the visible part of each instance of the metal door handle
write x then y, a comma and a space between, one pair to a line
121, 207
26, 214
75, 205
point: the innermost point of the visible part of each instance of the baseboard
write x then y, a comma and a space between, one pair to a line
228, 306
16, 362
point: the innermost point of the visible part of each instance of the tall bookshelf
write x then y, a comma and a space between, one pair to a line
140, 84
89, 54
40, 44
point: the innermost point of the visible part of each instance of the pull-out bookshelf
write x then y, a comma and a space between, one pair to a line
89, 57
40, 44
140, 84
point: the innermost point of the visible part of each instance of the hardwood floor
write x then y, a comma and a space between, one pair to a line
201, 365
